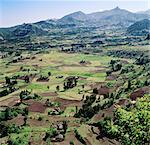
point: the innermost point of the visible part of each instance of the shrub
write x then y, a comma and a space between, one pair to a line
79, 137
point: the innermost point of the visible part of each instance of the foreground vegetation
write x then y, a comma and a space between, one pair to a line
89, 87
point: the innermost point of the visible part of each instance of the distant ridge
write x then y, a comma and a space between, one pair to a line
107, 17
147, 12
139, 28
114, 18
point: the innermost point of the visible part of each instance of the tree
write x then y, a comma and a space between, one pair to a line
129, 85
25, 120
57, 88
83, 87
27, 79
130, 126
147, 37
26, 111
49, 74
7, 79
24, 94
108, 73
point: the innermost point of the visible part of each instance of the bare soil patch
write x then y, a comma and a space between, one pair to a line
67, 103
19, 120
104, 90
111, 77
8, 102
35, 122
106, 112
97, 71
139, 93
47, 94
96, 85
36, 107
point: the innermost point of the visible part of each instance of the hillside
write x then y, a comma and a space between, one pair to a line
108, 17
139, 28
74, 18
80, 80
147, 12
22, 31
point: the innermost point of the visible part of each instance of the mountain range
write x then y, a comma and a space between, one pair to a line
116, 17
108, 17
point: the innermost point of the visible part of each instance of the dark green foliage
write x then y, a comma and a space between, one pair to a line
108, 73
57, 88
10, 113
87, 110
24, 95
49, 74
43, 78
95, 91
70, 82
107, 128
10, 87
143, 60
139, 28
115, 65
127, 69
4, 92
7, 80
79, 137
71, 142
27, 79
52, 132
40, 118
130, 126
125, 53
5, 130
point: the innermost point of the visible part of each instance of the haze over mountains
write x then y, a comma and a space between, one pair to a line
108, 17
114, 18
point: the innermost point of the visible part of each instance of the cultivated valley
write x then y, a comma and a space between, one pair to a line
82, 79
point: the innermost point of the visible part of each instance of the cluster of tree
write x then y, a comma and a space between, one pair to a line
133, 76
5, 129
130, 125
10, 82
127, 68
125, 53
115, 65
143, 60
43, 78
10, 113
7, 91
139, 28
26, 95
48, 103
9, 88
70, 82
88, 110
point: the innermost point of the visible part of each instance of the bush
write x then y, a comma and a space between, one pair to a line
71, 142
79, 137
130, 126
40, 118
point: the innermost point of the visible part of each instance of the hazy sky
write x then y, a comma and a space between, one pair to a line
13, 12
